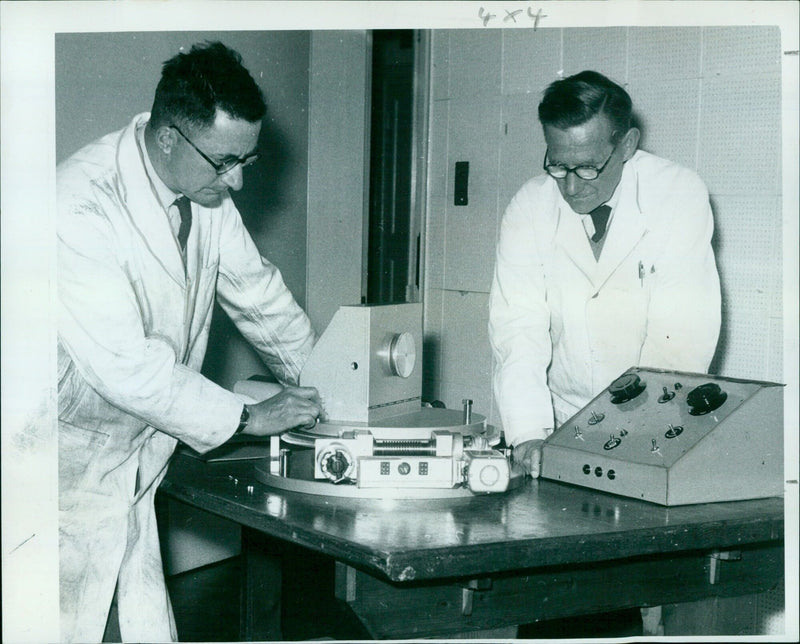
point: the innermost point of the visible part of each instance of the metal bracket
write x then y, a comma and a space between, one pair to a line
468, 592
275, 455
713, 562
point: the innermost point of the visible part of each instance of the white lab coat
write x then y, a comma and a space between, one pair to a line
564, 325
132, 332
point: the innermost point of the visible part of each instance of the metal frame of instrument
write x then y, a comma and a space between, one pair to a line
376, 439
674, 438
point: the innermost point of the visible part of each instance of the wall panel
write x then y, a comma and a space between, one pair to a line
740, 141
664, 53
473, 132
475, 56
530, 58
667, 113
603, 49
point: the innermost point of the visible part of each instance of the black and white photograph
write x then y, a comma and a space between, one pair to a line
404, 321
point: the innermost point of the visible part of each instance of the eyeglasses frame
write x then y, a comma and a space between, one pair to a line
219, 168
575, 169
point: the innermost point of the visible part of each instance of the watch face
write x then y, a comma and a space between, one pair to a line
402, 354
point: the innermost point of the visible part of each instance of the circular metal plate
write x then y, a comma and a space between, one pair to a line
416, 425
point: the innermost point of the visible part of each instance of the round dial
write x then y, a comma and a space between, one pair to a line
336, 463
626, 388
402, 354
705, 398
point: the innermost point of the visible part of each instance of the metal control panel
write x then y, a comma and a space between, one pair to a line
674, 438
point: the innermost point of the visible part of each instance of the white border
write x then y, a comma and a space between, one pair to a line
30, 593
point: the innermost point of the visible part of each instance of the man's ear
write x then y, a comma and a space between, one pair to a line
630, 142
166, 138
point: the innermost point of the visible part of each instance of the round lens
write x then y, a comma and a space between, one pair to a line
586, 173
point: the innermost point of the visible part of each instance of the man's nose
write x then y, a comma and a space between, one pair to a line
234, 178
571, 184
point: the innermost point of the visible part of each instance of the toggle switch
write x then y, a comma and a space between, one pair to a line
666, 396
673, 431
596, 418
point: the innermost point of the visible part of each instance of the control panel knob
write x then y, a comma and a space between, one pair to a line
626, 388
337, 464
402, 355
705, 398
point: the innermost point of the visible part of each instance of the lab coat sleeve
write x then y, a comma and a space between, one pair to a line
252, 292
685, 308
100, 325
519, 327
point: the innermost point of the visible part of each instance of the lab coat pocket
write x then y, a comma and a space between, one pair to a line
72, 436
72, 389
78, 448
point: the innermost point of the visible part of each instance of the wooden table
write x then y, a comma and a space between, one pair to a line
542, 551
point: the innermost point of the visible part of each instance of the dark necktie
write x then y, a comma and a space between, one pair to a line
600, 220
185, 209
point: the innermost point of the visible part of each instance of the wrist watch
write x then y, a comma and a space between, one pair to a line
243, 420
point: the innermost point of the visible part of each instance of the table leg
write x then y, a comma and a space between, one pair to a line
652, 622
260, 617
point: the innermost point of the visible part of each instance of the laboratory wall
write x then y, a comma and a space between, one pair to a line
706, 97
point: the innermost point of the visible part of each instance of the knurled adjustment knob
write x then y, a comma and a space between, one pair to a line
626, 388
705, 398
337, 464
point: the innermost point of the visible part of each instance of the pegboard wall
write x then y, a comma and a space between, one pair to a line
708, 98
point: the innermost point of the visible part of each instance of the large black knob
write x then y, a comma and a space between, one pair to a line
626, 388
705, 398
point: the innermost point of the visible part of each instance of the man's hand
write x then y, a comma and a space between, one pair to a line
529, 456
293, 407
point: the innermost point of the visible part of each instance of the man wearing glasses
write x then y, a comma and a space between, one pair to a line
603, 263
147, 237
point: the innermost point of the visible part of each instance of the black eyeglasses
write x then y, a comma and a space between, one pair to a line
225, 166
586, 172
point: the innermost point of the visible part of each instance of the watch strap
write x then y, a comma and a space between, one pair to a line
243, 419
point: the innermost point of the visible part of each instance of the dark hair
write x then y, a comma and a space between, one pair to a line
194, 85
576, 99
